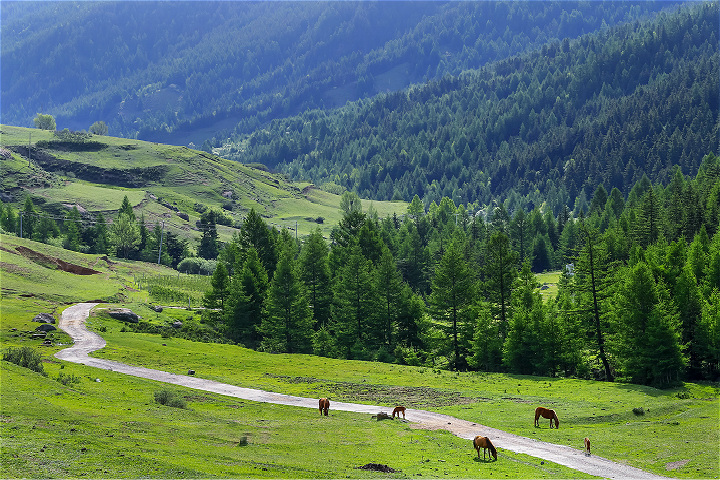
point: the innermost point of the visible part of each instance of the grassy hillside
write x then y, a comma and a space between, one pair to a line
106, 425
161, 181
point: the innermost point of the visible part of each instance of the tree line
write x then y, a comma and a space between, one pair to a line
638, 298
455, 286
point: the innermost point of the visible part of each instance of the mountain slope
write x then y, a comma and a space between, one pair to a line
552, 125
181, 72
169, 184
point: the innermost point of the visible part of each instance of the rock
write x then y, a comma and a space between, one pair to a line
157, 308
124, 314
177, 324
382, 416
45, 327
191, 372
44, 317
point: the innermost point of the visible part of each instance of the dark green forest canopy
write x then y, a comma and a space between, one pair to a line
182, 71
548, 126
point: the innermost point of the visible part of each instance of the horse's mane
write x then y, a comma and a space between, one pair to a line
491, 447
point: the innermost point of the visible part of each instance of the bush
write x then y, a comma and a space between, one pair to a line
26, 357
68, 379
169, 398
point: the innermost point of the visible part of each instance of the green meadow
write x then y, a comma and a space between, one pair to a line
82, 422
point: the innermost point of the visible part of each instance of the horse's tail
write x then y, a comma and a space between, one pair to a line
493, 451
557, 422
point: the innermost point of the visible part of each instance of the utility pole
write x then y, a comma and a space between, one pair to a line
29, 154
21, 215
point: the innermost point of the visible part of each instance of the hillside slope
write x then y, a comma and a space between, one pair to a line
178, 73
168, 184
551, 126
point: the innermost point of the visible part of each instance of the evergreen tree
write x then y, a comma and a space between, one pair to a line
388, 284
73, 231
220, 288
355, 307
209, 246
256, 234
126, 208
245, 305
453, 291
8, 220
287, 327
593, 280
315, 274
28, 218
124, 235
648, 343
521, 350
500, 273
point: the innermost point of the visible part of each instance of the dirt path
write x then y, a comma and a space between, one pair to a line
73, 322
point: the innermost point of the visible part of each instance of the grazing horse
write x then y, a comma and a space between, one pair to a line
587, 447
546, 413
324, 406
485, 444
398, 410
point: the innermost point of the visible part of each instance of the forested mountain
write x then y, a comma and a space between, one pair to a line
546, 126
186, 71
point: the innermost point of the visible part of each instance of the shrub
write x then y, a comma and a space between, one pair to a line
26, 357
68, 379
169, 398
639, 411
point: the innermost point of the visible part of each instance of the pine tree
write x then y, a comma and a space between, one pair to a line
453, 291
500, 274
244, 309
73, 231
220, 288
315, 274
355, 307
593, 280
388, 284
287, 326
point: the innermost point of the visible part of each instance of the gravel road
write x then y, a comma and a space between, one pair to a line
73, 322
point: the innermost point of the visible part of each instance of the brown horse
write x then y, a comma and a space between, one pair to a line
546, 413
587, 447
485, 444
398, 410
324, 406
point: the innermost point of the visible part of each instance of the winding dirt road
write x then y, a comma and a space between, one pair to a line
73, 322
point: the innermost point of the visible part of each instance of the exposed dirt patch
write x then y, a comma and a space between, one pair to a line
10, 268
54, 262
377, 467
674, 465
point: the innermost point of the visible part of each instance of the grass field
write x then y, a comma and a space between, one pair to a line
126, 434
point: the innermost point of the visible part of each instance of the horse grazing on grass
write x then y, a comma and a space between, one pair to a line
324, 406
587, 447
546, 413
398, 410
485, 444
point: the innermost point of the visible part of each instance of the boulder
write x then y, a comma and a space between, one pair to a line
124, 314
45, 327
157, 308
44, 317
177, 324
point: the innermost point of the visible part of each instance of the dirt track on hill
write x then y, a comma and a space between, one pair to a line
73, 322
